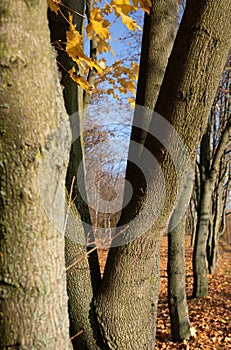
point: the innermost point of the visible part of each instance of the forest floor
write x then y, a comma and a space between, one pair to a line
210, 317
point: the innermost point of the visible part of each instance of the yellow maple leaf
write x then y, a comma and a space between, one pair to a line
102, 63
107, 9
132, 102
110, 91
97, 25
102, 45
81, 81
129, 22
53, 5
74, 48
123, 90
134, 70
144, 4
123, 6
74, 38
131, 88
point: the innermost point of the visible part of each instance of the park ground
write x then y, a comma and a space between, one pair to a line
210, 316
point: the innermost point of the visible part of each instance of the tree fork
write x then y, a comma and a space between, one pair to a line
189, 86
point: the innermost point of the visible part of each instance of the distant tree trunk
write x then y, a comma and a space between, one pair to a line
34, 159
177, 299
217, 228
200, 264
213, 168
82, 281
125, 303
209, 173
193, 216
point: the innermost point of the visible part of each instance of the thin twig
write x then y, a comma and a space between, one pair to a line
70, 202
77, 334
70, 9
85, 255
81, 258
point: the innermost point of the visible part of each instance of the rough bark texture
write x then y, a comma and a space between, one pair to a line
79, 287
162, 22
82, 281
158, 39
33, 165
177, 299
159, 32
125, 302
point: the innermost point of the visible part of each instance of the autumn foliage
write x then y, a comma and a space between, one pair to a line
209, 317
120, 78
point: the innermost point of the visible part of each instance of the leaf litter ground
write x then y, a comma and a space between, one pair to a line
210, 317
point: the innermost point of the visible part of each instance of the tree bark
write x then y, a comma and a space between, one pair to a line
84, 277
34, 158
216, 230
159, 32
125, 302
160, 23
177, 299
154, 57
200, 264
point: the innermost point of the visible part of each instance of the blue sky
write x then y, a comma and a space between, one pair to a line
118, 117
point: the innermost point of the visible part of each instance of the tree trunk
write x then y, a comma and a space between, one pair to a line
207, 187
177, 300
159, 33
217, 226
125, 302
82, 281
162, 21
34, 158
200, 263
154, 57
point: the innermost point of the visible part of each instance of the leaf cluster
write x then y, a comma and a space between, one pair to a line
119, 78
